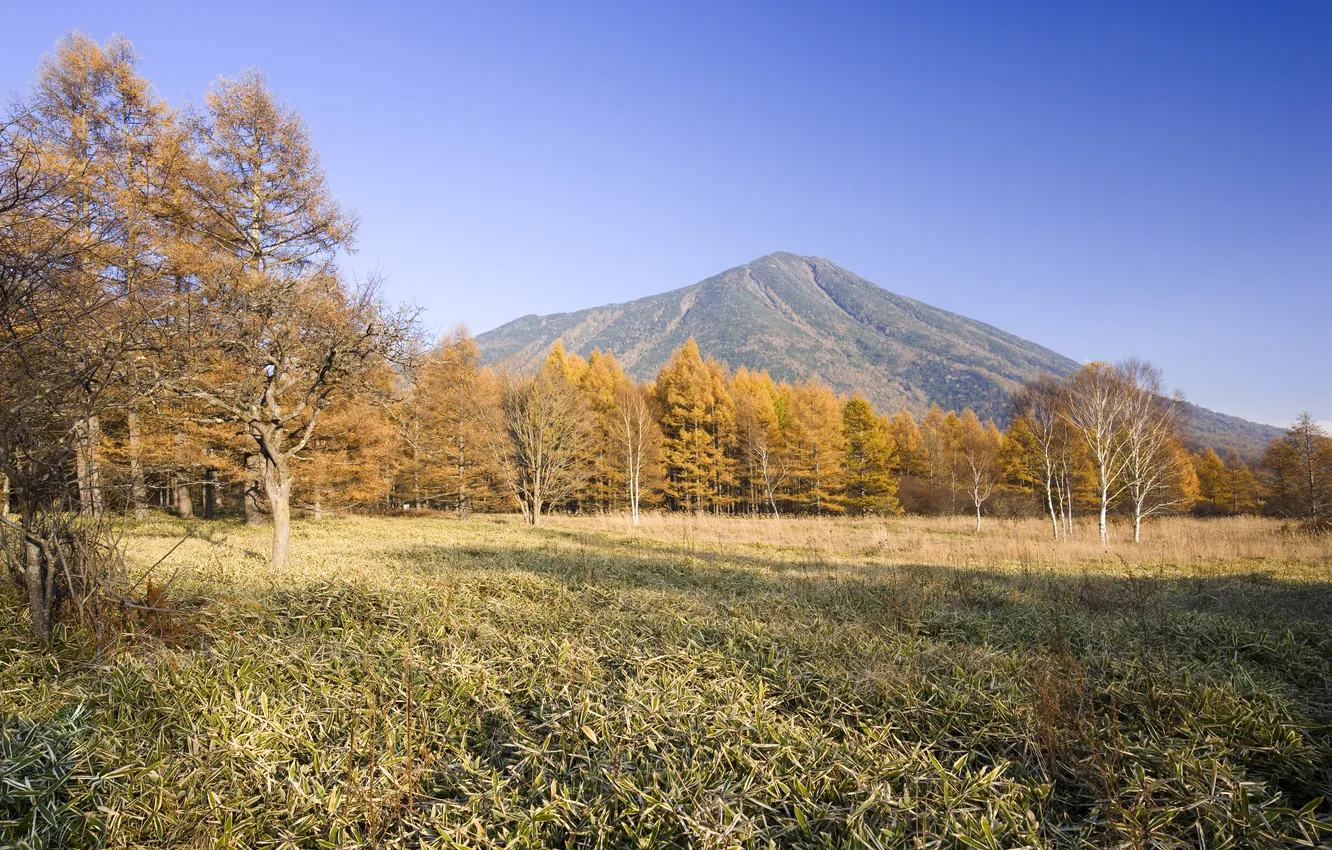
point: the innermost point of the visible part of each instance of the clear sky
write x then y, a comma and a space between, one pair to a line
1105, 179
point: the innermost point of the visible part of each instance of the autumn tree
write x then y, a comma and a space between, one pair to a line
351, 460
687, 407
1241, 486
759, 436
908, 443
815, 443
68, 323
725, 438
1097, 407
1299, 464
566, 364
934, 443
272, 334
1224, 486
867, 457
1154, 477
118, 148
1210, 470
1041, 428
444, 424
603, 383
976, 450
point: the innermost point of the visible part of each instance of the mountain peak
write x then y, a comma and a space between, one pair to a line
805, 318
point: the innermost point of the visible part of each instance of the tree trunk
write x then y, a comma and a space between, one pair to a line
1105, 532
85, 462
254, 511
1068, 499
1049, 501
462, 483
4, 498
184, 501
210, 493
39, 600
138, 486
277, 483
978, 516
1137, 526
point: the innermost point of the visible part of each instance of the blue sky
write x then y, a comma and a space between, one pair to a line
1105, 179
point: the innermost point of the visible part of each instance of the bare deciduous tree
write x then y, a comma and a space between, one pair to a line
541, 441
1152, 427
977, 450
1097, 407
1041, 402
638, 436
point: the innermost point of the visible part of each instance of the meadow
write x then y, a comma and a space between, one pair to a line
695, 682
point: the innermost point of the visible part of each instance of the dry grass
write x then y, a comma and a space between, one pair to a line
1175, 546
696, 682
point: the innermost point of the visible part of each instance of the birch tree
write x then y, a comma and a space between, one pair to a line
759, 434
639, 441
1097, 407
1151, 443
1040, 405
977, 450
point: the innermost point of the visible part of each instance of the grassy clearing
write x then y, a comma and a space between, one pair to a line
698, 682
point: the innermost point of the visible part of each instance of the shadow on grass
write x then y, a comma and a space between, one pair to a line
1271, 631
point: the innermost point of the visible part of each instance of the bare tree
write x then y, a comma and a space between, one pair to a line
1041, 402
638, 437
1097, 407
977, 451
1152, 429
64, 332
271, 355
541, 441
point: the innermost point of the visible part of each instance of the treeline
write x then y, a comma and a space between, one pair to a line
582, 437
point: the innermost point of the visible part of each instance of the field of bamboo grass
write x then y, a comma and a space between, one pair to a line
695, 682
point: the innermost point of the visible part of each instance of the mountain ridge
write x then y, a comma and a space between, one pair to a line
802, 318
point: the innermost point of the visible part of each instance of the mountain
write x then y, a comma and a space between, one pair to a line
807, 318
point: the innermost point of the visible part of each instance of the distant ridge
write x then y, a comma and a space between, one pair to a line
807, 318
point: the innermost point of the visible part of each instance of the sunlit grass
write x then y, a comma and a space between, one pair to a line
696, 682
